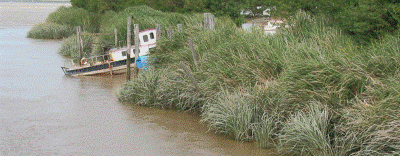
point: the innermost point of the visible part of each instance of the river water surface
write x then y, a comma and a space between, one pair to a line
43, 112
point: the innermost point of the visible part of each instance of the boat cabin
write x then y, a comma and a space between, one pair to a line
147, 40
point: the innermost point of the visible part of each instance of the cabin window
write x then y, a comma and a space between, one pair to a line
145, 38
123, 53
151, 35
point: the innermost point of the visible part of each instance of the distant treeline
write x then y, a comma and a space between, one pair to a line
364, 19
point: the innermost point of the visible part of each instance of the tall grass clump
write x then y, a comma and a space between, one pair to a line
62, 23
231, 114
265, 131
382, 58
70, 47
308, 133
162, 88
50, 31
73, 17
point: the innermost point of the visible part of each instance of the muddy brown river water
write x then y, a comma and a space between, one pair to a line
43, 112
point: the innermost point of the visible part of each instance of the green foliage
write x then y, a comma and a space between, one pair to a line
231, 114
164, 89
72, 17
265, 131
258, 88
365, 20
307, 133
70, 47
50, 31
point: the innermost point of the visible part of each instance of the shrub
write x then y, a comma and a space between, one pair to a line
70, 47
164, 89
50, 31
265, 131
307, 133
72, 17
231, 114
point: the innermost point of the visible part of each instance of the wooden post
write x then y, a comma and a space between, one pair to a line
179, 27
211, 22
208, 21
191, 45
170, 33
205, 21
110, 68
137, 44
158, 32
187, 72
115, 38
79, 40
128, 51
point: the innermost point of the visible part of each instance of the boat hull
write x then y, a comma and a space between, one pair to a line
113, 67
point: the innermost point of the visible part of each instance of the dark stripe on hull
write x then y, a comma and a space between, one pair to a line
97, 69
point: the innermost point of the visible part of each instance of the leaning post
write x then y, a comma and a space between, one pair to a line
137, 44
191, 46
115, 38
78, 30
209, 22
128, 51
179, 27
158, 32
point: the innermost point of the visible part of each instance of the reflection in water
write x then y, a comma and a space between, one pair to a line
43, 112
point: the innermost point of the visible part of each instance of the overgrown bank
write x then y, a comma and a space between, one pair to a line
309, 90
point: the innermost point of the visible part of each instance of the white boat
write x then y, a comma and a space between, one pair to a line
114, 62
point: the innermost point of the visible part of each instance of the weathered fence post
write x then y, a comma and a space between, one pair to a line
80, 44
191, 45
212, 22
136, 48
115, 37
170, 33
158, 32
128, 51
187, 72
209, 21
179, 27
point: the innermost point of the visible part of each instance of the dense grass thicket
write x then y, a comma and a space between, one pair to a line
50, 31
63, 22
308, 90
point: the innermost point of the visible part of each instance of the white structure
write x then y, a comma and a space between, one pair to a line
147, 40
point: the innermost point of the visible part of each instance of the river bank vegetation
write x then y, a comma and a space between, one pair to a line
308, 90
314, 88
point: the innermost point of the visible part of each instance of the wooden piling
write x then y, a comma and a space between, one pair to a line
158, 32
80, 44
115, 37
191, 45
179, 27
187, 72
170, 33
128, 52
209, 21
137, 44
